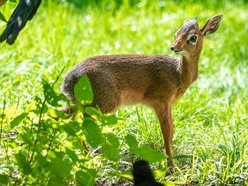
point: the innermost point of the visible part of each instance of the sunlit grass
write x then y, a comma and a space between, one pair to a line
210, 133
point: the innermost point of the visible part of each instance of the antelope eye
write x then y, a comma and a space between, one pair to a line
193, 38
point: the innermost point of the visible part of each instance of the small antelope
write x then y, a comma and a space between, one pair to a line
154, 80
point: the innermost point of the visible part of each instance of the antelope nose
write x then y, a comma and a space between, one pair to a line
172, 48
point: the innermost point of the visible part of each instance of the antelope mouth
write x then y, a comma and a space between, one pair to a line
178, 51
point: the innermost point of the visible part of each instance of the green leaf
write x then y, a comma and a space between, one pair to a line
150, 154
143, 152
18, 120
92, 133
4, 179
71, 128
110, 147
112, 139
132, 143
2, 17
60, 167
110, 119
92, 111
42, 160
72, 154
27, 138
51, 97
39, 106
86, 177
56, 181
54, 113
83, 91
23, 163
77, 144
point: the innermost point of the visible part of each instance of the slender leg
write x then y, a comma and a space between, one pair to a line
164, 115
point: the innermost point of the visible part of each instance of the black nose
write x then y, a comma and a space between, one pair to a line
172, 48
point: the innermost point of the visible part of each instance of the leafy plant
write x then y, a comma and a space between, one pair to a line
51, 152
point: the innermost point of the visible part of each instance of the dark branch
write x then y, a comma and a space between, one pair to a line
24, 12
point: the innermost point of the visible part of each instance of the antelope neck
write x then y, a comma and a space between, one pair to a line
189, 69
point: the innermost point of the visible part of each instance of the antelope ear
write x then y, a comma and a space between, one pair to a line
211, 25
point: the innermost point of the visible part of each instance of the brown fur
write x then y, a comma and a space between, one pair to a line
154, 80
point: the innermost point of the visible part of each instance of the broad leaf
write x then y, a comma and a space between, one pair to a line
71, 128
109, 119
18, 120
143, 152
72, 155
23, 163
92, 111
132, 143
60, 167
56, 181
51, 97
110, 147
86, 177
83, 91
40, 107
27, 138
4, 179
150, 154
92, 132
42, 160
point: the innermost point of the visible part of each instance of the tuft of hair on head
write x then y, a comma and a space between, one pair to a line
188, 25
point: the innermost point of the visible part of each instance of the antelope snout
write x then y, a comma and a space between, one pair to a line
176, 48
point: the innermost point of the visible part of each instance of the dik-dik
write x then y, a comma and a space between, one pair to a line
154, 80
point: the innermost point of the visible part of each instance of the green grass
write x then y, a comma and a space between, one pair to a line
210, 133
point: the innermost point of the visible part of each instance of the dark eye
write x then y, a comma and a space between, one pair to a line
193, 38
